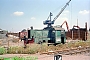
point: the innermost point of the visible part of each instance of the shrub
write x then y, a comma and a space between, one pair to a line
2, 50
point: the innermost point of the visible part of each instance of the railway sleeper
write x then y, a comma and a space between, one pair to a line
66, 50
77, 52
81, 48
72, 53
87, 50
88, 47
67, 53
83, 51
59, 51
43, 53
72, 49
51, 52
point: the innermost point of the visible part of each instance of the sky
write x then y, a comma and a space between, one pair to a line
16, 15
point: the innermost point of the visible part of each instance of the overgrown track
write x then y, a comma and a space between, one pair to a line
71, 51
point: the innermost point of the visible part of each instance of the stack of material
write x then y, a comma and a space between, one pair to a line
2, 34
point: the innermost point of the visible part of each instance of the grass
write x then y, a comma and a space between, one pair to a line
20, 58
35, 48
32, 49
2, 51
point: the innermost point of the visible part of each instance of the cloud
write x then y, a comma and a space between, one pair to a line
66, 11
84, 12
18, 13
33, 18
64, 14
62, 19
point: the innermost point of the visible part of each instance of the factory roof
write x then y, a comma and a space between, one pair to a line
58, 27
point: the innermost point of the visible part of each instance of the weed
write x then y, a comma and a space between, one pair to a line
2, 50
20, 58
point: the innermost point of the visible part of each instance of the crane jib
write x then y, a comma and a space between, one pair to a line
61, 10
49, 22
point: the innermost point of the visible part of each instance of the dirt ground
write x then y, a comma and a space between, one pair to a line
51, 57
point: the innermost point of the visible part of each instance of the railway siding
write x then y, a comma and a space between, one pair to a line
71, 51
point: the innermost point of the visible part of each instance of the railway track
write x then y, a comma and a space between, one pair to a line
71, 51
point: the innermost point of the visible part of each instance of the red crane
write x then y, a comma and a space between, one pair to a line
66, 25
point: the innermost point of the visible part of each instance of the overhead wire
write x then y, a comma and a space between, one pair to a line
71, 14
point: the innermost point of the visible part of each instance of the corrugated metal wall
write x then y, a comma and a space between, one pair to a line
77, 34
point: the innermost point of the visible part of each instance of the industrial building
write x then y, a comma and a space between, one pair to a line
79, 33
